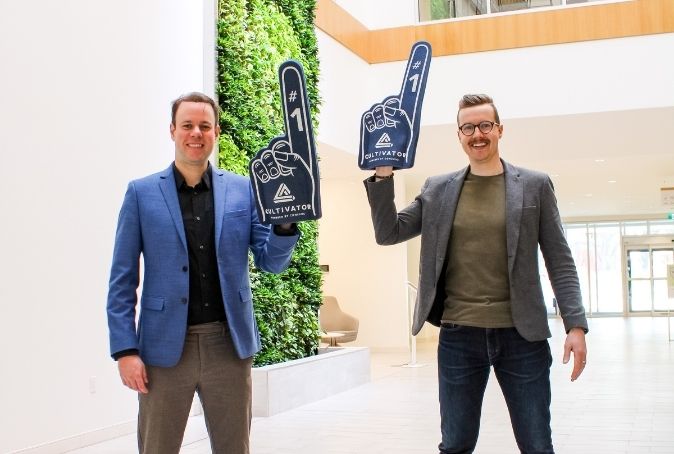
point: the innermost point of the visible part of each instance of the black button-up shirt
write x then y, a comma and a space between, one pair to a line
197, 208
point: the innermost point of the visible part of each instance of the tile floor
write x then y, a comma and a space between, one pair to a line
623, 403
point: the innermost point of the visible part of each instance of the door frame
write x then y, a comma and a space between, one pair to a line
644, 242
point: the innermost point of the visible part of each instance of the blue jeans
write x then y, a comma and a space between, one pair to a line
465, 355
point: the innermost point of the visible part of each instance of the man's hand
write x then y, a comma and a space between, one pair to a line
389, 130
133, 373
575, 342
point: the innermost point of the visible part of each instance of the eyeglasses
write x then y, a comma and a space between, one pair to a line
485, 127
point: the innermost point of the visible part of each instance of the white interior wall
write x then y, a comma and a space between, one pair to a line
345, 86
591, 76
85, 108
585, 77
376, 14
368, 280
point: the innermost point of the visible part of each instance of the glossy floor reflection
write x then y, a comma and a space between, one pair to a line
623, 403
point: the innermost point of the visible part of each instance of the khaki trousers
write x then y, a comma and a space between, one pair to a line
209, 365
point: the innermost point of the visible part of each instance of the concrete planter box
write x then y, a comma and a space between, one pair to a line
284, 386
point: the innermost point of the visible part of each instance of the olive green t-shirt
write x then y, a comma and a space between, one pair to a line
476, 283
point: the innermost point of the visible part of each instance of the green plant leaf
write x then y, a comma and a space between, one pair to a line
254, 37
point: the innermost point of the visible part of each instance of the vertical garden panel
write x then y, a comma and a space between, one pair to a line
254, 37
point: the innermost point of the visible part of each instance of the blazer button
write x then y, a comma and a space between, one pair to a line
185, 268
183, 300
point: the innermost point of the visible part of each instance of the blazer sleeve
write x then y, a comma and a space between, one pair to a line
271, 252
559, 261
391, 227
124, 276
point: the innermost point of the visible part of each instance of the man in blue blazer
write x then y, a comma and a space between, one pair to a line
194, 226
480, 229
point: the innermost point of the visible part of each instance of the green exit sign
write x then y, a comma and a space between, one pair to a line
670, 216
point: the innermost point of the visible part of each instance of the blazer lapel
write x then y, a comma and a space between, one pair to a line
445, 218
167, 185
219, 196
514, 198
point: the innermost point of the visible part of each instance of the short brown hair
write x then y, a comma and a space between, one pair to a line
477, 100
194, 96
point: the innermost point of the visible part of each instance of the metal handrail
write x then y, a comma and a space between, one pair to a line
410, 316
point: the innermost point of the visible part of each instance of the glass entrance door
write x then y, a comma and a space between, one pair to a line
646, 267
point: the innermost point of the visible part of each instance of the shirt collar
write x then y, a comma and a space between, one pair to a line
180, 179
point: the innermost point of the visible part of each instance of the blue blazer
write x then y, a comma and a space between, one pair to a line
150, 223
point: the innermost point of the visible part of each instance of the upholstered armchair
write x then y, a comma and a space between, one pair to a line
336, 326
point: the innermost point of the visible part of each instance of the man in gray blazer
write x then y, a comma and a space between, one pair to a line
480, 231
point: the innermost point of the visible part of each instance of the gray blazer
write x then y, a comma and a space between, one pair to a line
532, 219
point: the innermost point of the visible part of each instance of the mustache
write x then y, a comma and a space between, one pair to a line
474, 141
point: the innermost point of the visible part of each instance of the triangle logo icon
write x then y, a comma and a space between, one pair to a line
384, 141
283, 194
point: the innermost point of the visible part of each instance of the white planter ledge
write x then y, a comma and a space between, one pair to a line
281, 387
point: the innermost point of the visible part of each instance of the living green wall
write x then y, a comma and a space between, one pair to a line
254, 37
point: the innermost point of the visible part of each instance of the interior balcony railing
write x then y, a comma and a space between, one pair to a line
430, 10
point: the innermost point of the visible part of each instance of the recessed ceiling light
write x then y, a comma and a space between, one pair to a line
588, 195
612, 181
598, 160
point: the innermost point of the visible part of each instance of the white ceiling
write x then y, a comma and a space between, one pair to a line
582, 153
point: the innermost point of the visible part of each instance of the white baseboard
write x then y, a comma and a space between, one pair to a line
92, 437
82, 440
